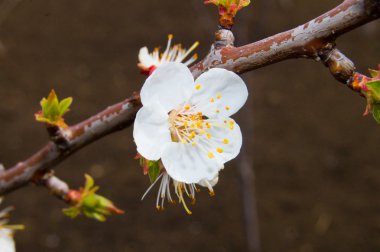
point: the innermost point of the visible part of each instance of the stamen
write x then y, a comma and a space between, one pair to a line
225, 141
227, 108
210, 155
192, 48
197, 87
220, 150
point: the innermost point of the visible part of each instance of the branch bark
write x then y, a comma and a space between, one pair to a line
112, 119
311, 40
304, 41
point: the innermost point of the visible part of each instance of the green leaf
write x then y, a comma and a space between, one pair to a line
376, 112
64, 105
154, 170
71, 212
53, 110
89, 182
374, 86
373, 73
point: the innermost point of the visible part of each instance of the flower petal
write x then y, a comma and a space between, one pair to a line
171, 83
209, 183
225, 138
219, 92
151, 130
189, 164
146, 60
7, 243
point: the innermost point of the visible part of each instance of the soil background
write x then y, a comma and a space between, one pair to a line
315, 158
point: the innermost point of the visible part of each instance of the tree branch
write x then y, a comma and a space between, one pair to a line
304, 41
314, 40
112, 119
55, 185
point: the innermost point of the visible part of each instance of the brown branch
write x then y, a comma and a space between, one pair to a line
110, 120
311, 40
304, 41
55, 185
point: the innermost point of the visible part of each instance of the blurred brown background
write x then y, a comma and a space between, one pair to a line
315, 158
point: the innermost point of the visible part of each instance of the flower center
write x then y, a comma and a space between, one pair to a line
189, 126
186, 125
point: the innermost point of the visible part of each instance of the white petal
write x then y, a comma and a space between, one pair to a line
189, 164
221, 93
7, 243
145, 58
171, 82
225, 137
151, 130
207, 183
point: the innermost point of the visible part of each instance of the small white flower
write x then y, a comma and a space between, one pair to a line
187, 125
7, 243
150, 61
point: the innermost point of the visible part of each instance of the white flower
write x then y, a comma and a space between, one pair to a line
7, 243
187, 125
150, 61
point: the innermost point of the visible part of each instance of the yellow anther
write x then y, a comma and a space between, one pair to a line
208, 135
202, 132
208, 125
232, 122
210, 155
211, 193
197, 87
231, 127
187, 106
212, 100
218, 96
170, 36
217, 111
219, 150
183, 141
225, 141
227, 108
200, 114
225, 121
193, 143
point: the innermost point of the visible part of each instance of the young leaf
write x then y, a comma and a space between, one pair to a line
373, 73
64, 106
376, 112
154, 170
52, 110
90, 204
374, 86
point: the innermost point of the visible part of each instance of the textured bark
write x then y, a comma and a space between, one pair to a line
304, 41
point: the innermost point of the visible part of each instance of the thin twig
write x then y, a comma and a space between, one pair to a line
55, 185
